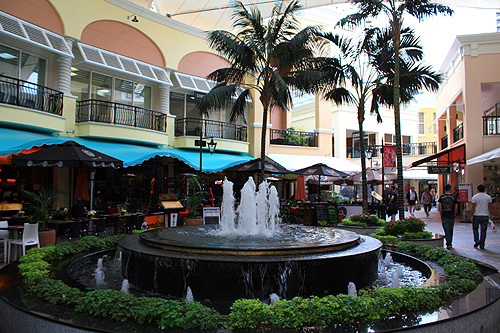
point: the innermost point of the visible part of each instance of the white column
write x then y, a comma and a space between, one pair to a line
164, 99
64, 83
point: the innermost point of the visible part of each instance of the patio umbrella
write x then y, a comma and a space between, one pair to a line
300, 192
254, 166
321, 169
69, 154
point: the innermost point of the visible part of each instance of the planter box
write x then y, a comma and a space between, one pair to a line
436, 241
47, 237
193, 221
359, 230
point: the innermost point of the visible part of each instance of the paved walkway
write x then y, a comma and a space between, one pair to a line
463, 240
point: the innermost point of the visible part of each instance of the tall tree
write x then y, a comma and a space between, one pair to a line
395, 10
264, 58
359, 71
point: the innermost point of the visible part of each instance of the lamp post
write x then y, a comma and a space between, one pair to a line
368, 154
202, 143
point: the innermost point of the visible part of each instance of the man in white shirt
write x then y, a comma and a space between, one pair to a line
481, 206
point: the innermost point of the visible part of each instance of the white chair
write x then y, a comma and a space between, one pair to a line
4, 237
30, 238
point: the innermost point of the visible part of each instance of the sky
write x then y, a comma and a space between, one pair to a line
437, 33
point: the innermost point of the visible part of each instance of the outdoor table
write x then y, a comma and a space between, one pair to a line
15, 229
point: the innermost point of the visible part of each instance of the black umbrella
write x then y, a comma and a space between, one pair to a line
69, 154
321, 169
255, 165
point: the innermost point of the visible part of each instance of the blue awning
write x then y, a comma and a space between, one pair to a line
132, 155
14, 141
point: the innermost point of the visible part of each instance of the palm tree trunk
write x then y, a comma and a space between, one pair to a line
361, 117
396, 30
263, 143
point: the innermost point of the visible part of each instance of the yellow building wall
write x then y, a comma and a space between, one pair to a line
429, 135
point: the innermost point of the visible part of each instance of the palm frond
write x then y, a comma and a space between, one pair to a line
239, 106
219, 97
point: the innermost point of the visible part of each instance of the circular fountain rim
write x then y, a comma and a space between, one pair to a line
168, 239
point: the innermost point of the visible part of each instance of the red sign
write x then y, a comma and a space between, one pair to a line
390, 158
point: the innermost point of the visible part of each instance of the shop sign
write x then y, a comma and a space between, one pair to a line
464, 192
439, 169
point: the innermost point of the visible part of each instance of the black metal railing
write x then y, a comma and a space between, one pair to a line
444, 142
411, 149
491, 125
120, 114
458, 132
294, 138
210, 128
30, 95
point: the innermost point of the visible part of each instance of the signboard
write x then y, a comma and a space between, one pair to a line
439, 169
464, 192
390, 158
321, 213
155, 221
173, 219
211, 215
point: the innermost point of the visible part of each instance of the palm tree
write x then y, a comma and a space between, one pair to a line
395, 9
264, 58
365, 62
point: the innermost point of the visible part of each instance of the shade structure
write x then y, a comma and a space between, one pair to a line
320, 170
300, 192
489, 156
68, 154
373, 177
255, 165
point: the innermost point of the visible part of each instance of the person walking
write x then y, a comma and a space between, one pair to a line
481, 207
393, 203
448, 204
411, 200
426, 200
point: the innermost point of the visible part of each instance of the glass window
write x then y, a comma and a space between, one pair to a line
32, 69
177, 104
124, 92
421, 123
388, 138
9, 60
191, 110
101, 87
80, 81
142, 96
433, 119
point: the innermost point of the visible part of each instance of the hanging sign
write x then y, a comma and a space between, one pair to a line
439, 169
390, 158
464, 192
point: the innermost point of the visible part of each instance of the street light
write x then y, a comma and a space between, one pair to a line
202, 143
368, 154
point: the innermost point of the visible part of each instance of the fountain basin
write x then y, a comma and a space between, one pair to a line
223, 269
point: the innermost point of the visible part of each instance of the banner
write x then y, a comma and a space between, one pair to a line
390, 158
464, 192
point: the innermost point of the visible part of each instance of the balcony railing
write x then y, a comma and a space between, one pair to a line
120, 114
409, 149
210, 128
491, 125
30, 95
458, 132
294, 138
444, 142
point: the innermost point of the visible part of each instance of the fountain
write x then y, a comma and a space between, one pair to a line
99, 273
248, 255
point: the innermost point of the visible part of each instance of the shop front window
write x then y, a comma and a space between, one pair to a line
22, 65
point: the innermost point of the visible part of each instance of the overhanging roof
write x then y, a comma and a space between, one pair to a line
33, 34
447, 156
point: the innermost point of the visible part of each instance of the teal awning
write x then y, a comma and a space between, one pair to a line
14, 141
132, 155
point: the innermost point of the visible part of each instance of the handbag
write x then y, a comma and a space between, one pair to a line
418, 206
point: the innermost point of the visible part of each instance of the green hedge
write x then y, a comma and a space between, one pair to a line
369, 305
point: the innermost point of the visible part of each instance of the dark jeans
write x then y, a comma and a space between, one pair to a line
448, 223
483, 222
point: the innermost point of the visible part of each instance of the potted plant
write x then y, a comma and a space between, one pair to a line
41, 204
193, 199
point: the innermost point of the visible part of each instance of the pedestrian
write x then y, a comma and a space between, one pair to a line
433, 193
411, 200
481, 207
393, 203
426, 200
448, 204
